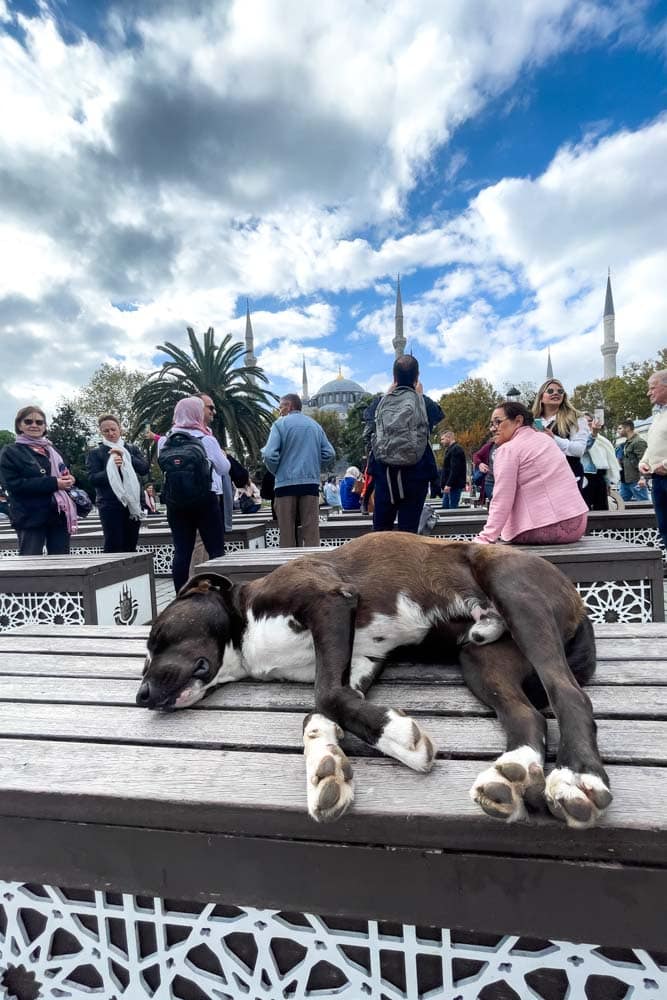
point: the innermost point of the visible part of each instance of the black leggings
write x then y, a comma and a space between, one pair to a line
206, 519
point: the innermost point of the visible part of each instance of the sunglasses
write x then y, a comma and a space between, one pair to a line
555, 392
38, 423
497, 423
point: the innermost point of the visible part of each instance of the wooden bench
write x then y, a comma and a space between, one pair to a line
155, 540
618, 581
95, 589
173, 852
639, 526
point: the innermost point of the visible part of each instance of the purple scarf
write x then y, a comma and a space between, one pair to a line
64, 502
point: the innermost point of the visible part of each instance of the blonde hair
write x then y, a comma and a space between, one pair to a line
567, 418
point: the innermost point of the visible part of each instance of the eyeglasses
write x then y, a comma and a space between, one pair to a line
497, 423
38, 423
555, 392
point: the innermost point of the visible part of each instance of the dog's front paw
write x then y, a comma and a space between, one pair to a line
403, 739
577, 799
329, 786
515, 779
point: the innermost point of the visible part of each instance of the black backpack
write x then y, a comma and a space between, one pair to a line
187, 470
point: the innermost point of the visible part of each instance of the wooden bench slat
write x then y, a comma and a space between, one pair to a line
263, 795
620, 741
608, 648
609, 701
58, 665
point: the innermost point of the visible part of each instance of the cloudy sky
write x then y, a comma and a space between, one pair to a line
157, 169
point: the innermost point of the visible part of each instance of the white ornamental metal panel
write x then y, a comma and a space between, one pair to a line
618, 600
74, 944
638, 536
45, 608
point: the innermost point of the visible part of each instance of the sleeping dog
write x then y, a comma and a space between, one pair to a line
513, 621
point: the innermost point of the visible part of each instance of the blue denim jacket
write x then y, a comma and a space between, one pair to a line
296, 450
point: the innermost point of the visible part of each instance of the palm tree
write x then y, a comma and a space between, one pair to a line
244, 410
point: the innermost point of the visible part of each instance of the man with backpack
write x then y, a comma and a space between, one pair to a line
187, 457
401, 459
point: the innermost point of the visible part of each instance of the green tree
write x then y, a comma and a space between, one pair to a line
472, 402
111, 389
69, 433
6, 437
352, 444
244, 410
332, 426
622, 396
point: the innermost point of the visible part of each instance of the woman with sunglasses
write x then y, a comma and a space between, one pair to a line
556, 417
535, 498
37, 480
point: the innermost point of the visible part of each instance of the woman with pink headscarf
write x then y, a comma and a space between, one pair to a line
204, 513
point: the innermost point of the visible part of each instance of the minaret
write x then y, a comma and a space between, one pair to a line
399, 340
550, 371
609, 346
305, 395
249, 358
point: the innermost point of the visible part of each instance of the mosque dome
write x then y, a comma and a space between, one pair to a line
338, 395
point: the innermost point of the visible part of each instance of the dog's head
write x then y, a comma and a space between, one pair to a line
187, 643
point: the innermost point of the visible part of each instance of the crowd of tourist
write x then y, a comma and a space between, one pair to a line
539, 473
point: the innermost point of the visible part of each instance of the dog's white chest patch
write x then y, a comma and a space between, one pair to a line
277, 648
407, 625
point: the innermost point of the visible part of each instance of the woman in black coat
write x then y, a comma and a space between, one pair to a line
37, 479
113, 468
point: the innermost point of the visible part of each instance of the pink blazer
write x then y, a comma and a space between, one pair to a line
534, 487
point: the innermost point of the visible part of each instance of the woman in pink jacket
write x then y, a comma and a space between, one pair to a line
536, 500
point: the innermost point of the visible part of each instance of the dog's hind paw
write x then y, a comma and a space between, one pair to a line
403, 739
577, 799
330, 785
515, 779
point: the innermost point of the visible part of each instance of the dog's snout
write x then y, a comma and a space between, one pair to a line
144, 697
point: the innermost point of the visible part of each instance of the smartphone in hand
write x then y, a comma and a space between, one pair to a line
539, 424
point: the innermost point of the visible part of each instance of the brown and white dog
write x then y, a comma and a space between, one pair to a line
513, 621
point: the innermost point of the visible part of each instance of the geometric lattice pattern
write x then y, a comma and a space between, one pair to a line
639, 536
163, 556
44, 608
56, 943
272, 537
617, 600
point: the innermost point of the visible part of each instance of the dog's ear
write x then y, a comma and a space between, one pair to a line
204, 583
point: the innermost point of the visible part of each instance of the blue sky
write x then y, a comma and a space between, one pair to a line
158, 168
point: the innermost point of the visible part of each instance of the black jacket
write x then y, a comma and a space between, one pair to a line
454, 468
96, 463
26, 475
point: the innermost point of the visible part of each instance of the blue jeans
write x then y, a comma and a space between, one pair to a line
659, 485
450, 501
631, 491
408, 508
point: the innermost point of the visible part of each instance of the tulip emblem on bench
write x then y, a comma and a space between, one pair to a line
127, 608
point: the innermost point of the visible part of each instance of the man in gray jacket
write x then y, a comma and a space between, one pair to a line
633, 484
295, 453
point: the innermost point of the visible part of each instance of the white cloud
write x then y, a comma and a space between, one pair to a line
249, 149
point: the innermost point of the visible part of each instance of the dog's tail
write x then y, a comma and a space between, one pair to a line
580, 655
580, 651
